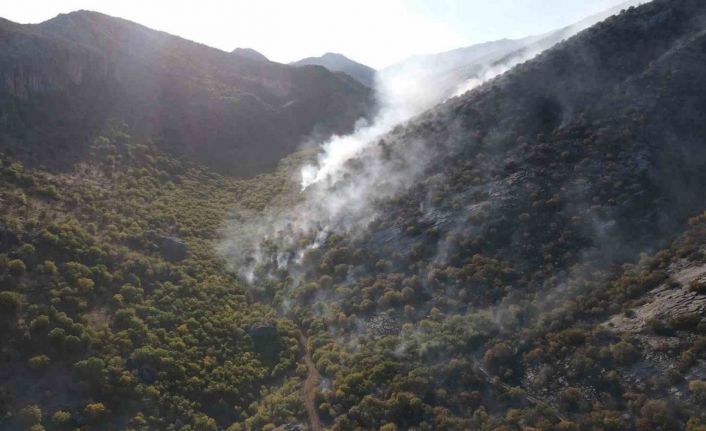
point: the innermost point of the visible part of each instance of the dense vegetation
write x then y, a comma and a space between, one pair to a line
116, 313
516, 284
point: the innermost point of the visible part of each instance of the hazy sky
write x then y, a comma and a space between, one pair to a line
375, 32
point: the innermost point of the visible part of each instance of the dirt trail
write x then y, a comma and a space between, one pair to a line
310, 384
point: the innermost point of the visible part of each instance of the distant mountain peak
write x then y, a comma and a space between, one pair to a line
337, 62
335, 55
249, 53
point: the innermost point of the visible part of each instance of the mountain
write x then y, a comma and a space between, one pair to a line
340, 63
249, 53
454, 72
66, 79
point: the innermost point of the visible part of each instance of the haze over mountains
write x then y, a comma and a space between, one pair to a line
454, 72
249, 53
66, 78
340, 63
527, 255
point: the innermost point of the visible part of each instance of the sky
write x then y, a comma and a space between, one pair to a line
374, 32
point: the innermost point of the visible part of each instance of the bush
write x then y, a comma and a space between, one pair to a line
623, 353
685, 322
570, 398
85, 285
698, 391
27, 253
94, 411
10, 303
29, 415
39, 362
50, 267
659, 327
698, 286
60, 417
16, 267
498, 356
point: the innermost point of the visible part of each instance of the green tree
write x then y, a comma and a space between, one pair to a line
10, 303
16, 267
29, 415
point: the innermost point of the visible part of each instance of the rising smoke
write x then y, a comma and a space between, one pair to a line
339, 192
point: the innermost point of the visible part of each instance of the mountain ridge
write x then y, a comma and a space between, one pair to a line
164, 85
340, 63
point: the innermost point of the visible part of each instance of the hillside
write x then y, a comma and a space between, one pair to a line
455, 72
486, 272
340, 63
66, 79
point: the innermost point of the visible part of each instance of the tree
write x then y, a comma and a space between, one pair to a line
29, 415
39, 362
698, 391
16, 267
623, 353
60, 418
500, 355
10, 303
94, 411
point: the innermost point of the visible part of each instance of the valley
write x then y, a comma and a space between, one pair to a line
176, 253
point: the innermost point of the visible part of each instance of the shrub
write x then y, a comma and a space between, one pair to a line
623, 353
60, 417
85, 285
10, 303
499, 355
685, 322
29, 415
698, 391
39, 362
570, 398
27, 253
16, 267
94, 411
698, 286
50, 267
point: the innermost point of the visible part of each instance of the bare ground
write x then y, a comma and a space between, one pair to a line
310, 385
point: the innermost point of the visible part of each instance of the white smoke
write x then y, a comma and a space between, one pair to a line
339, 192
401, 95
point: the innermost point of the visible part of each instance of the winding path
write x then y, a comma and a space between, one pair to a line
310, 384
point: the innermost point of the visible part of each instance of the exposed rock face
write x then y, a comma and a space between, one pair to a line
382, 325
667, 302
